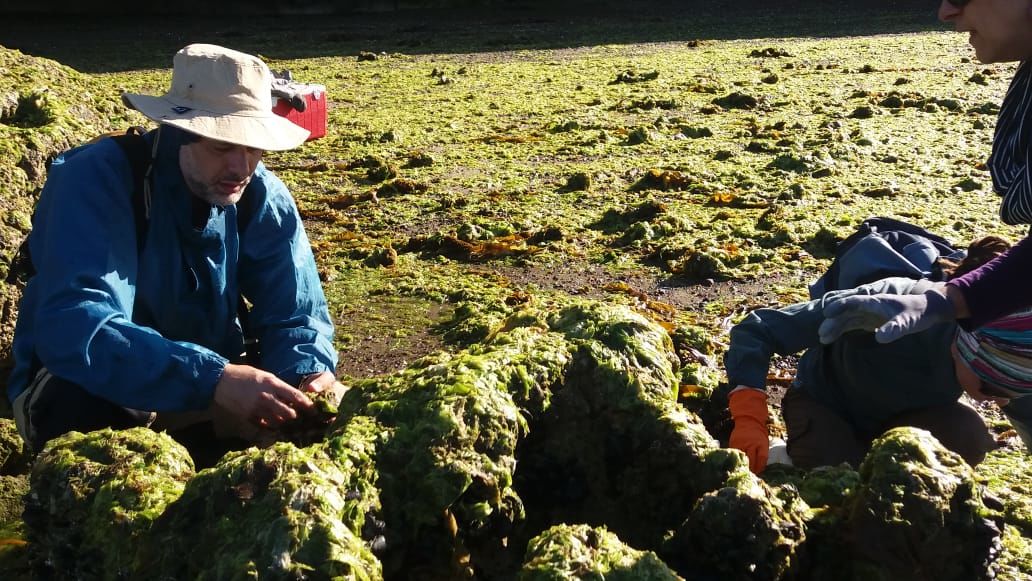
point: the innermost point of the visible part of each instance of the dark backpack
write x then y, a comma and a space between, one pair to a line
883, 247
138, 152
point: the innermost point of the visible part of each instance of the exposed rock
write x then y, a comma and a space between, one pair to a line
582, 552
920, 514
93, 496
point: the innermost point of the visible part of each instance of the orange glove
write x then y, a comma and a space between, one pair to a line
749, 412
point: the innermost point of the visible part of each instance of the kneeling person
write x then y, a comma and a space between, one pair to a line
115, 332
847, 393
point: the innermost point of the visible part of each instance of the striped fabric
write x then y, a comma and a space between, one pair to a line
1000, 352
1009, 161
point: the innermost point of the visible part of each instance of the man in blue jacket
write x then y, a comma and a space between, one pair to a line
116, 333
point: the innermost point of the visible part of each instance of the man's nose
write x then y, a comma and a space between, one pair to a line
948, 11
237, 162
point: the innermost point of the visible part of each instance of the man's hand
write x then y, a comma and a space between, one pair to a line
749, 411
258, 396
889, 316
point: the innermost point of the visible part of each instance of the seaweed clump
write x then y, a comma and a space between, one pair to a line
583, 552
744, 530
920, 509
15, 457
94, 496
276, 513
447, 461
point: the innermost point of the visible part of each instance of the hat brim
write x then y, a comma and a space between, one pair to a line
267, 132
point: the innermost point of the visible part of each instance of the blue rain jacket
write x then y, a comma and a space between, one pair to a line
864, 381
154, 332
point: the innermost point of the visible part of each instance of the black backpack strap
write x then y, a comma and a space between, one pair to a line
138, 152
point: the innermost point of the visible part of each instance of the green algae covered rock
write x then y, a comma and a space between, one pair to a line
613, 446
582, 393
745, 530
568, 552
14, 455
919, 513
447, 463
823, 486
276, 513
12, 498
1007, 476
93, 496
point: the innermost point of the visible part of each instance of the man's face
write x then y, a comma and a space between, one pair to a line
1000, 30
216, 171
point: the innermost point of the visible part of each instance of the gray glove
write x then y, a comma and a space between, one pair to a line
288, 91
889, 316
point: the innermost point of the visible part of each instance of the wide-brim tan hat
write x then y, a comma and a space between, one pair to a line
222, 94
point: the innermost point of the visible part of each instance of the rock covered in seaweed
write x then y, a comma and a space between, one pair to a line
920, 514
15, 458
745, 530
94, 496
449, 454
276, 513
612, 446
582, 552
12, 498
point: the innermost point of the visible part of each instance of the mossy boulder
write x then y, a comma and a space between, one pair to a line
15, 457
745, 530
566, 552
276, 513
93, 496
919, 513
12, 498
452, 426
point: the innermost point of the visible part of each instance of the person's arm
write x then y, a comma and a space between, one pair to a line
278, 275
84, 249
763, 333
788, 330
997, 288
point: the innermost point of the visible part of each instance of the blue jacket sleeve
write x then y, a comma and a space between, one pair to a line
86, 260
278, 276
788, 330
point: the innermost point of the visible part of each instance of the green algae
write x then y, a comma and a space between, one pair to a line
1005, 474
15, 457
92, 493
821, 487
12, 498
744, 530
919, 509
583, 552
446, 466
276, 513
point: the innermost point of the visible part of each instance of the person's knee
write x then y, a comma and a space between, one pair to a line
958, 427
816, 435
